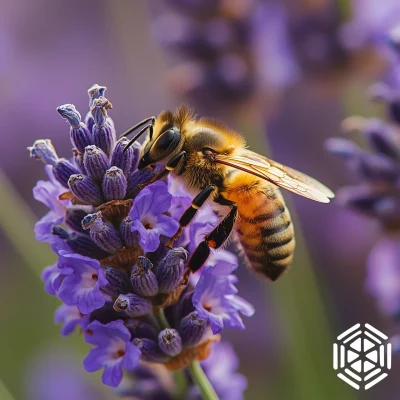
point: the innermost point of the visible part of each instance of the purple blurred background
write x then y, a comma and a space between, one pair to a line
51, 52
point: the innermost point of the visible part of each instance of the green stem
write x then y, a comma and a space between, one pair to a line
199, 377
161, 319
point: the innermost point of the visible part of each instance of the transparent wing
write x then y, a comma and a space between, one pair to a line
278, 174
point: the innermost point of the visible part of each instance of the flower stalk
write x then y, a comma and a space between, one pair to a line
202, 382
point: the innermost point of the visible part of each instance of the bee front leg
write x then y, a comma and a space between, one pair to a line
216, 238
191, 212
170, 166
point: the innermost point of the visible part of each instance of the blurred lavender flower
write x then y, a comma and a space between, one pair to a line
377, 195
226, 48
108, 224
223, 52
54, 374
370, 21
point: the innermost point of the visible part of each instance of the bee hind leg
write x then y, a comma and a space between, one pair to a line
216, 238
191, 212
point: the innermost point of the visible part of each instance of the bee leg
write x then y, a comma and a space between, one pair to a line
191, 212
170, 166
216, 238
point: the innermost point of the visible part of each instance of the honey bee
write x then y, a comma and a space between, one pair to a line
213, 163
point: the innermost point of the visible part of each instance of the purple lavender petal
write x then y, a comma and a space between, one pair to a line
215, 298
70, 317
82, 287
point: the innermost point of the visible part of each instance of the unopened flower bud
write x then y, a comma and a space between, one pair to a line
85, 189
94, 92
170, 342
133, 305
170, 270
74, 217
79, 134
114, 184
192, 329
118, 281
81, 244
138, 178
103, 132
62, 170
102, 233
96, 162
127, 160
44, 150
131, 239
150, 350
143, 280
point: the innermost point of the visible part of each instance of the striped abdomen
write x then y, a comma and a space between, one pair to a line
265, 231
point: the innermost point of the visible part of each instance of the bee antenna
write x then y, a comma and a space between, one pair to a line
133, 128
137, 136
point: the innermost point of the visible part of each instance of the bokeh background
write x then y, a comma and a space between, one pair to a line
286, 86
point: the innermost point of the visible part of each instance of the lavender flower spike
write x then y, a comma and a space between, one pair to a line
116, 279
114, 351
215, 298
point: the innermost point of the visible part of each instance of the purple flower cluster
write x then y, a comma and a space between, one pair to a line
212, 38
225, 51
109, 225
377, 194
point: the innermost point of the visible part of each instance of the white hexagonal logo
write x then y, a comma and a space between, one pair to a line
362, 356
